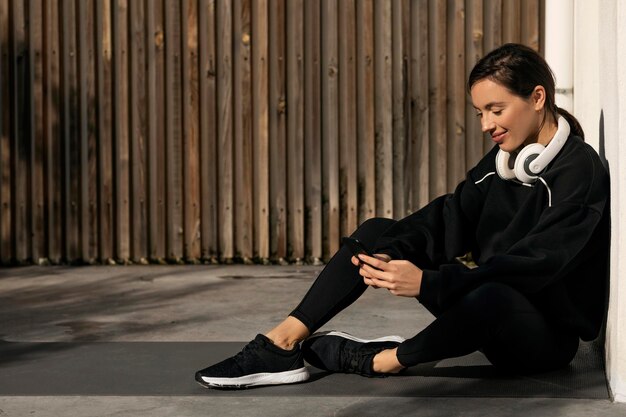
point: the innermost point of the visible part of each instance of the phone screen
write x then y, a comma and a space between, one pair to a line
357, 247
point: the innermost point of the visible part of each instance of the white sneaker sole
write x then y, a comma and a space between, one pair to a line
348, 336
269, 378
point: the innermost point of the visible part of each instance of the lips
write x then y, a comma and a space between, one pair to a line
498, 138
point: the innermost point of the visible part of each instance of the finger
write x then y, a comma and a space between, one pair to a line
370, 283
375, 262
355, 261
382, 283
383, 257
376, 273
366, 273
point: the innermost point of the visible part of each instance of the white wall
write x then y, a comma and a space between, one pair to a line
600, 89
613, 100
587, 68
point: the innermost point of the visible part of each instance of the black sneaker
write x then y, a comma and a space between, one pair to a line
259, 363
341, 352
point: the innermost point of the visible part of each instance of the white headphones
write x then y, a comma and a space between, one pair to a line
527, 164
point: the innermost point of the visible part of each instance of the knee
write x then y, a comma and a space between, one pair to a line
376, 223
371, 229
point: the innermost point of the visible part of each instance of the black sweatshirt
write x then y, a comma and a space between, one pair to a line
549, 241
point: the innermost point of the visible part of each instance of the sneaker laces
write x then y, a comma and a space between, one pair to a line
355, 358
245, 351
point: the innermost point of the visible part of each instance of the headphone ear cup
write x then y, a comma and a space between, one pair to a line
502, 165
522, 162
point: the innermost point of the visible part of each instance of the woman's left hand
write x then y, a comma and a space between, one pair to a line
401, 278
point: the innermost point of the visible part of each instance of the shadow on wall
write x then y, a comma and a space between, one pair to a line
48, 183
605, 162
602, 150
23, 147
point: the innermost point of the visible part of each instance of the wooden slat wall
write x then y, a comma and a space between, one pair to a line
220, 130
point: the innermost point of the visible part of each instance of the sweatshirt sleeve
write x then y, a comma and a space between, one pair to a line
546, 254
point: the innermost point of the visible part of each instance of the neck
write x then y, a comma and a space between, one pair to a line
548, 130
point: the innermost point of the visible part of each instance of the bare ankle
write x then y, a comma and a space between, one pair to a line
284, 344
288, 334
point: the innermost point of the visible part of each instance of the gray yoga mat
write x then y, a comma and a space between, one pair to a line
167, 368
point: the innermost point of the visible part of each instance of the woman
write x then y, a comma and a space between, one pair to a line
533, 214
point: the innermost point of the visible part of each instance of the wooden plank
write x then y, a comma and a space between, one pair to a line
408, 170
295, 129
22, 147
191, 128
93, 157
71, 112
104, 74
456, 94
121, 126
173, 138
420, 119
530, 15
277, 132
366, 133
160, 235
383, 97
208, 137
242, 128
7, 236
52, 133
492, 18
347, 117
312, 131
512, 18
492, 15
330, 129
438, 88
82, 138
399, 131
541, 15
36, 129
155, 105
158, 163
225, 132
87, 134
473, 52
138, 133
260, 127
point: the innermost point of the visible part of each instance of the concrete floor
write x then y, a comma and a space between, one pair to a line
216, 303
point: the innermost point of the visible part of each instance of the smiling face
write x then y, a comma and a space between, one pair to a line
511, 121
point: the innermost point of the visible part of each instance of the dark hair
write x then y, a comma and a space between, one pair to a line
520, 69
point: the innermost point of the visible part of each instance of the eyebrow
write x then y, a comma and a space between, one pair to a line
490, 105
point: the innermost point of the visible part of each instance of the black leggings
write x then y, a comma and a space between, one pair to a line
493, 318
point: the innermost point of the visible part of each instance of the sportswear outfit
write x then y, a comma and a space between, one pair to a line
542, 256
541, 252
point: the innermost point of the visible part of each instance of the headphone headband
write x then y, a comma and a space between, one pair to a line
540, 162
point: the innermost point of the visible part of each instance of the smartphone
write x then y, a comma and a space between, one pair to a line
356, 247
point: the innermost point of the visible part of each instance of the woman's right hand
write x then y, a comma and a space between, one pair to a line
355, 261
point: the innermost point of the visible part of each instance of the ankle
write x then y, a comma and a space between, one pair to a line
288, 333
283, 343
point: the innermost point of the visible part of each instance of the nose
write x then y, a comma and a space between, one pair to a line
487, 124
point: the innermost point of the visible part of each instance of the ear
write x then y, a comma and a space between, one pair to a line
538, 97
